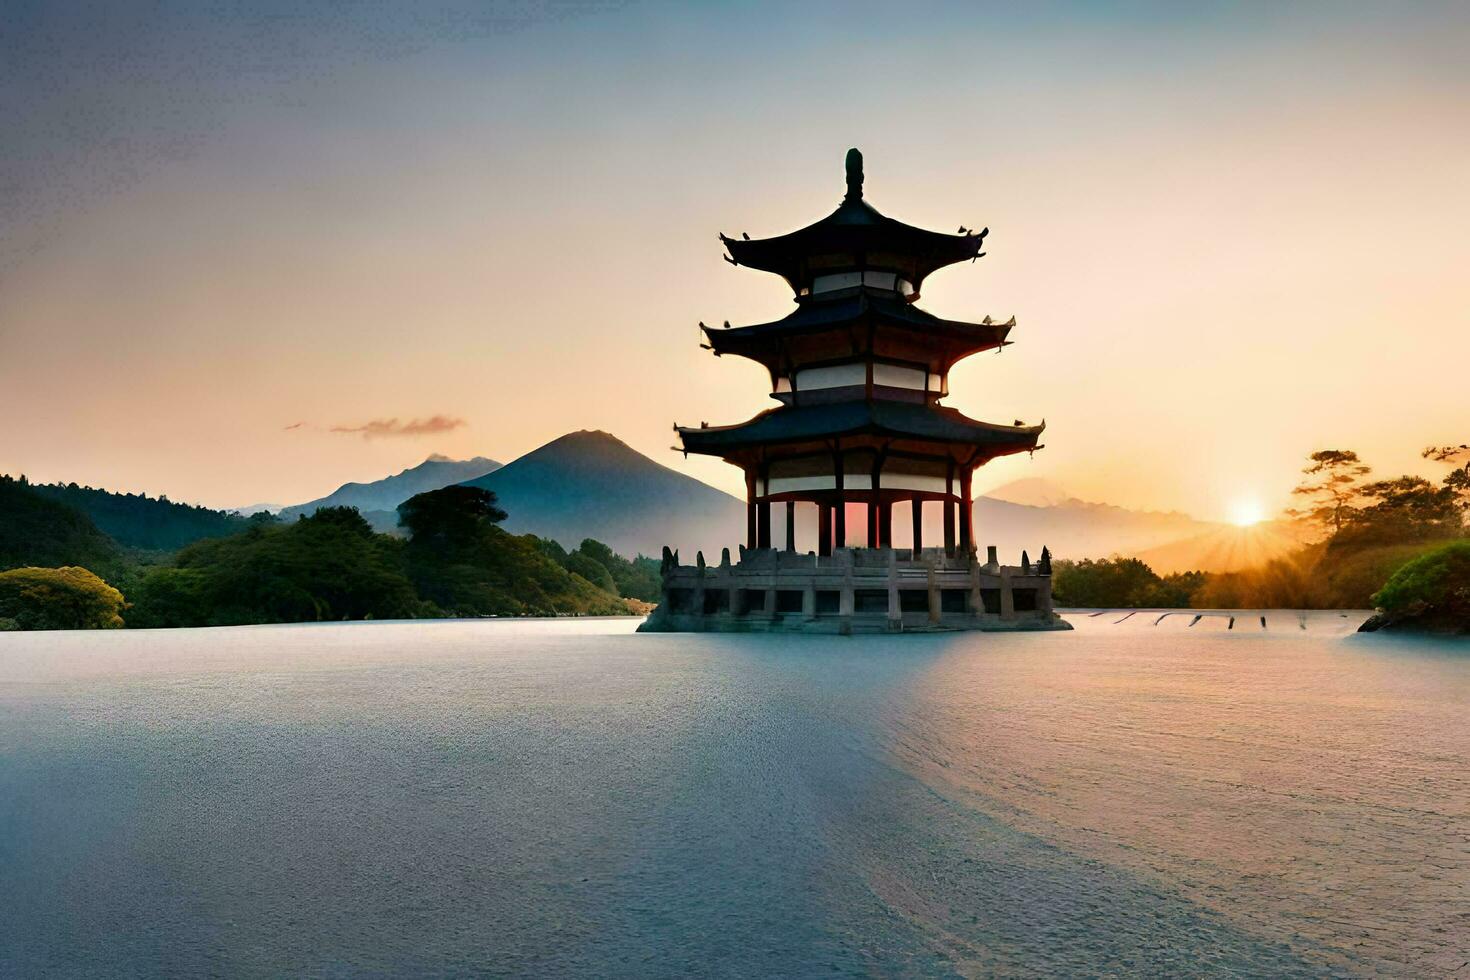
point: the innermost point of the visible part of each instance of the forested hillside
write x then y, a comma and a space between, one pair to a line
332, 565
136, 520
38, 531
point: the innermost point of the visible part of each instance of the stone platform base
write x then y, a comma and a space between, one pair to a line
883, 590
840, 626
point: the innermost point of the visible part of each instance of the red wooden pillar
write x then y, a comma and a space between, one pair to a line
885, 524
790, 525
967, 514
918, 513
824, 529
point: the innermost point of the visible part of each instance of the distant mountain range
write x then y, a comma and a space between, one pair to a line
590, 484
386, 494
1078, 529
250, 510
1031, 512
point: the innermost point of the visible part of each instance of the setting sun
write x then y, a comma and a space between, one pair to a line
1244, 513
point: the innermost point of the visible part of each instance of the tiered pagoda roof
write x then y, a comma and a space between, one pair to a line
896, 423
900, 330
855, 236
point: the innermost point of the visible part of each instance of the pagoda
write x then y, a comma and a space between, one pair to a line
859, 372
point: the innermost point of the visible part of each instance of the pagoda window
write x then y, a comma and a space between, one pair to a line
800, 474
783, 385
896, 376
913, 481
926, 475
868, 277
835, 281
855, 374
832, 376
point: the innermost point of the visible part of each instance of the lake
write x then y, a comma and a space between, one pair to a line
567, 798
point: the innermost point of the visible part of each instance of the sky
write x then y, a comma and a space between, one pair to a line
251, 251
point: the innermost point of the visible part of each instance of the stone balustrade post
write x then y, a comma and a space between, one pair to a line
895, 611
699, 584
977, 604
935, 606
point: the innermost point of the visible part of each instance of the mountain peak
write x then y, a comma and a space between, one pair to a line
589, 443
590, 437
1032, 491
590, 483
441, 459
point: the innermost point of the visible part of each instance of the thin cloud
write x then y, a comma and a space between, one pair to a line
393, 428
290, 428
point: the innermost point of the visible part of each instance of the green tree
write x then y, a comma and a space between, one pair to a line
1330, 488
1458, 480
449, 518
552, 549
1407, 508
58, 599
579, 563
1433, 590
1175, 591
637, 579
1104, 583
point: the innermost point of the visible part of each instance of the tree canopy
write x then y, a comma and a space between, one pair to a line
57, 599
328, 566
1432, 591
1121, 583
1458, 459
1401, 510
450, 517
1331, 484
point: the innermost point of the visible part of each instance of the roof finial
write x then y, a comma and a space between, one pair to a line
854, 175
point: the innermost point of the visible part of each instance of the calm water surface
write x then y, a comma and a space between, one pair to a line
569, 799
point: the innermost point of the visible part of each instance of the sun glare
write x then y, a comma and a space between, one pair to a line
1244, 513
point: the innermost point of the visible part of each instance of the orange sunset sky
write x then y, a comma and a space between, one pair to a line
1229, 235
